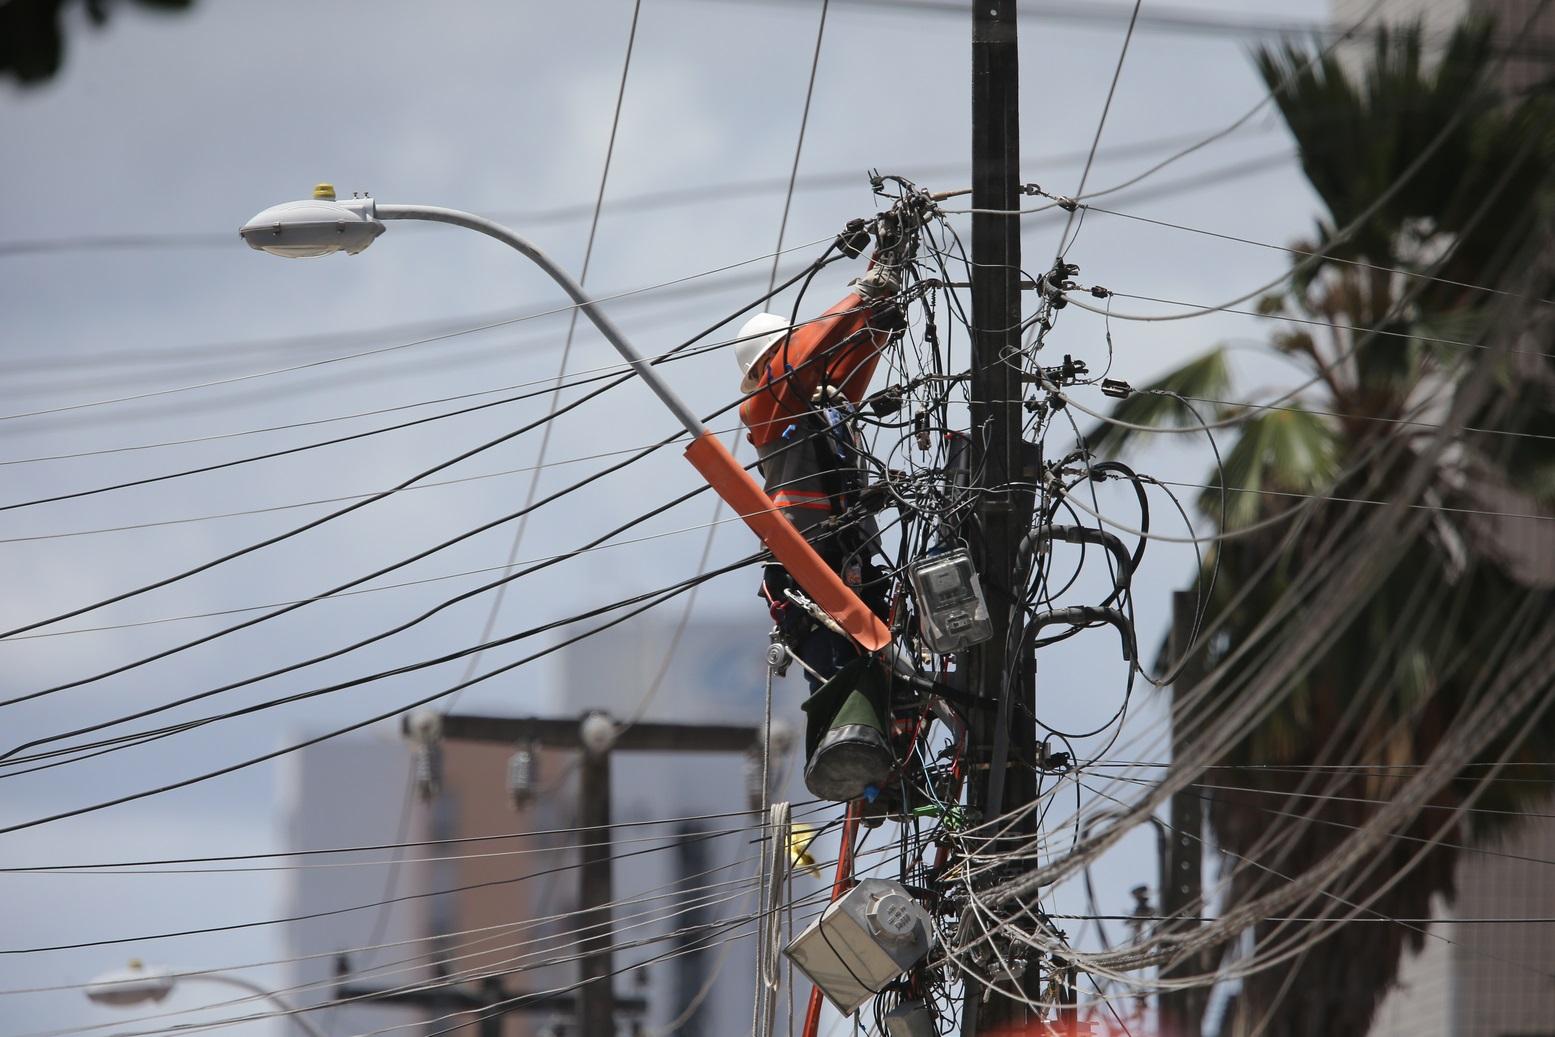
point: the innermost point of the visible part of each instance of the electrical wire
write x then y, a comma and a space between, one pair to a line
1101, 123
568, 308
359, 580
356, 725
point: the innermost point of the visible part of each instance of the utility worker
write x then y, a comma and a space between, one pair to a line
803, 385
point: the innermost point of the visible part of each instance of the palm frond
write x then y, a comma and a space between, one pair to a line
1279, 452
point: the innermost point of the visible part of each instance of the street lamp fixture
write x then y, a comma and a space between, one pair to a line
139, 984
132, 986
318, 226
323, 225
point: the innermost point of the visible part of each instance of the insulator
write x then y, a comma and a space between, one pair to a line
429, 770
523, 766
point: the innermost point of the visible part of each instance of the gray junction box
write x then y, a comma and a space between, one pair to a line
868, 937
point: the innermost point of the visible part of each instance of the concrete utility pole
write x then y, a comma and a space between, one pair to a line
597, 736
1182, 859
998, 672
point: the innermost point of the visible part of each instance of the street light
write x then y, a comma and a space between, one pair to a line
138, 984
323, 225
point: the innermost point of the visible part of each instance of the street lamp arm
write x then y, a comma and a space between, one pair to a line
706, 452
303, 1023
644, 370
323, 225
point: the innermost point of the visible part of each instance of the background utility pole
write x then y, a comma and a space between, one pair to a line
1005, 733
597, 737
1182, 861
597, 1010
489, 1001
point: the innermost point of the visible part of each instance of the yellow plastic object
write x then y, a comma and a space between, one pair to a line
800, 836
324, 192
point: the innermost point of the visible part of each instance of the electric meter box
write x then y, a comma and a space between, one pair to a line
952, 613
862, 941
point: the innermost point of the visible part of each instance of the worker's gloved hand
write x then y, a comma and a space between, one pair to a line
774, 581
881, 281
790, 619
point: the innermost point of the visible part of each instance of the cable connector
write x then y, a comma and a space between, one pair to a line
1101, 293
1116, 388
854, 238
1050, 762
1066, 203
888, 400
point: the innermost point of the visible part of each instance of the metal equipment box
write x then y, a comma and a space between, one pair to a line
862, 941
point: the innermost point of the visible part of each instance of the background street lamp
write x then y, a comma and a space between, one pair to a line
138, 984
323, 225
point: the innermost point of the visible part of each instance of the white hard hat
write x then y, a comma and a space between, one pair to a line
759, 334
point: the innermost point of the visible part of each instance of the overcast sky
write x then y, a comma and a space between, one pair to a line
181, 128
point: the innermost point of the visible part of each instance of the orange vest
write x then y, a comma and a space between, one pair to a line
839, 349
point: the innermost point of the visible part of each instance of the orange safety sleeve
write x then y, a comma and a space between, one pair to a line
744, 494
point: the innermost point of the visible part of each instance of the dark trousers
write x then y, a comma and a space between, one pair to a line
823, 651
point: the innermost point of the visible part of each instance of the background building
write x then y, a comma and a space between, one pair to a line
1485, 978
1525, 28
696, 871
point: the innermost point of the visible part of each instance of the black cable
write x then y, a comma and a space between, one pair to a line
357, 725
644, 202
714, 933
124, 741
500, 596
139, 738
373, 847
282, 610
345, 586
1064, 244
336, 653
702, 836
268, 455
443, 361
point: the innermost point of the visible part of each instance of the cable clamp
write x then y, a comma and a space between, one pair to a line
1067, 373
1050, 762
1116, 388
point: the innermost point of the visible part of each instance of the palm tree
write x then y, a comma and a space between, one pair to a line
1400, 669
